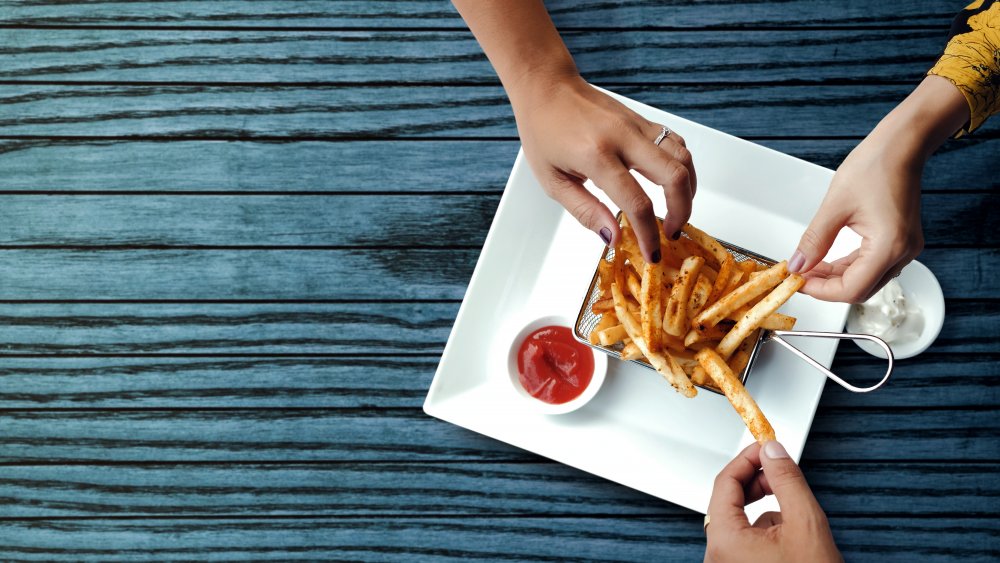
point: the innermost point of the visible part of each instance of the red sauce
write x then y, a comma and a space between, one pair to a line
552, 366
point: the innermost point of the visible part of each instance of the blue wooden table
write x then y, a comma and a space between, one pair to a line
223, 225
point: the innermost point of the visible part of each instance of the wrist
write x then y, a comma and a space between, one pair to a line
922, 122
538, 82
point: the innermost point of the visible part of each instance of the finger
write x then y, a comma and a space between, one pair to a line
789, 485
669, 166
614, 178
890, 274
728, 497
767, 520
585, 208
858, 280
818, 237
818, 277
758, 488
675, 147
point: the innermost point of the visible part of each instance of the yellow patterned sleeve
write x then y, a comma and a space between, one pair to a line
971, 61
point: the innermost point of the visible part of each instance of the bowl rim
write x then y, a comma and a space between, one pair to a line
529, 325
932, 307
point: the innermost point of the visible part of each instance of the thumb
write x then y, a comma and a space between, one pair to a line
789, 486
817, 239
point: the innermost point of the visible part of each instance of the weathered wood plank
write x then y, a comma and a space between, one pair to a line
376, 434
318, 113
440, 57
341, 220
428, 538
221, 328
295, 221
439, 13
236, 274
447, 489
352, 274
358, 166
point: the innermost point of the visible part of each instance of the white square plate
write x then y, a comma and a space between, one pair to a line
638, 431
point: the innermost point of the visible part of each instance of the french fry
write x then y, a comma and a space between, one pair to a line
612, 335
664, 364
777, 321
605, 275
737, 394
631, 352
675, 316
608, 320
739, 362
708, 242
651, 307
740, 296
602, 306
712, 333
735, 280
750, 266
633, 283
721, 280
753, 319
699, 296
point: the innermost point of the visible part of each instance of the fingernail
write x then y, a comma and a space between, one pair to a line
797, 261
676, 235
656, 256
606, 235
774, 450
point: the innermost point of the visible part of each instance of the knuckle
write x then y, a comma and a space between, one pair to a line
683, 155
639, 205
678, 175
680, 140
585, 213
810, 240
855, 295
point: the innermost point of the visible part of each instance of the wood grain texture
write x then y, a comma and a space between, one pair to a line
438, 539
448, 57
384, 220
370, 434
363, 166
201, 371
442, 488
317, 113
226, 329
342, 274
432, 14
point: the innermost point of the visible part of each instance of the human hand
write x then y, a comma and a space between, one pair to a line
799, 532
572, 132
876, 192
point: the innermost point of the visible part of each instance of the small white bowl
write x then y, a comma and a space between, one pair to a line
921, 287
600, 369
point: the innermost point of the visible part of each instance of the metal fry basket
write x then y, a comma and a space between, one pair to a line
586, 320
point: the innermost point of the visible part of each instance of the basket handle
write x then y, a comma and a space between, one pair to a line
776, 335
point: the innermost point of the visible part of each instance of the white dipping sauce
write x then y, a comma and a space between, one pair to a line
889, 316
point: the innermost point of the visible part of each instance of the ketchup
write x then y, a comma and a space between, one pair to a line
552, 366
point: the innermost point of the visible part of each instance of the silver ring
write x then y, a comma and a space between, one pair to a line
663, 135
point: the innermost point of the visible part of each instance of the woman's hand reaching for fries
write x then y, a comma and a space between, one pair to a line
876, 192
799, 532
572, 132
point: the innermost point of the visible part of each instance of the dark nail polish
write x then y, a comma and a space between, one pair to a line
656, 256
606, 235
676, 235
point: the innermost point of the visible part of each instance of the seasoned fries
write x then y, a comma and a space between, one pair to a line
695, 316
737, 395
